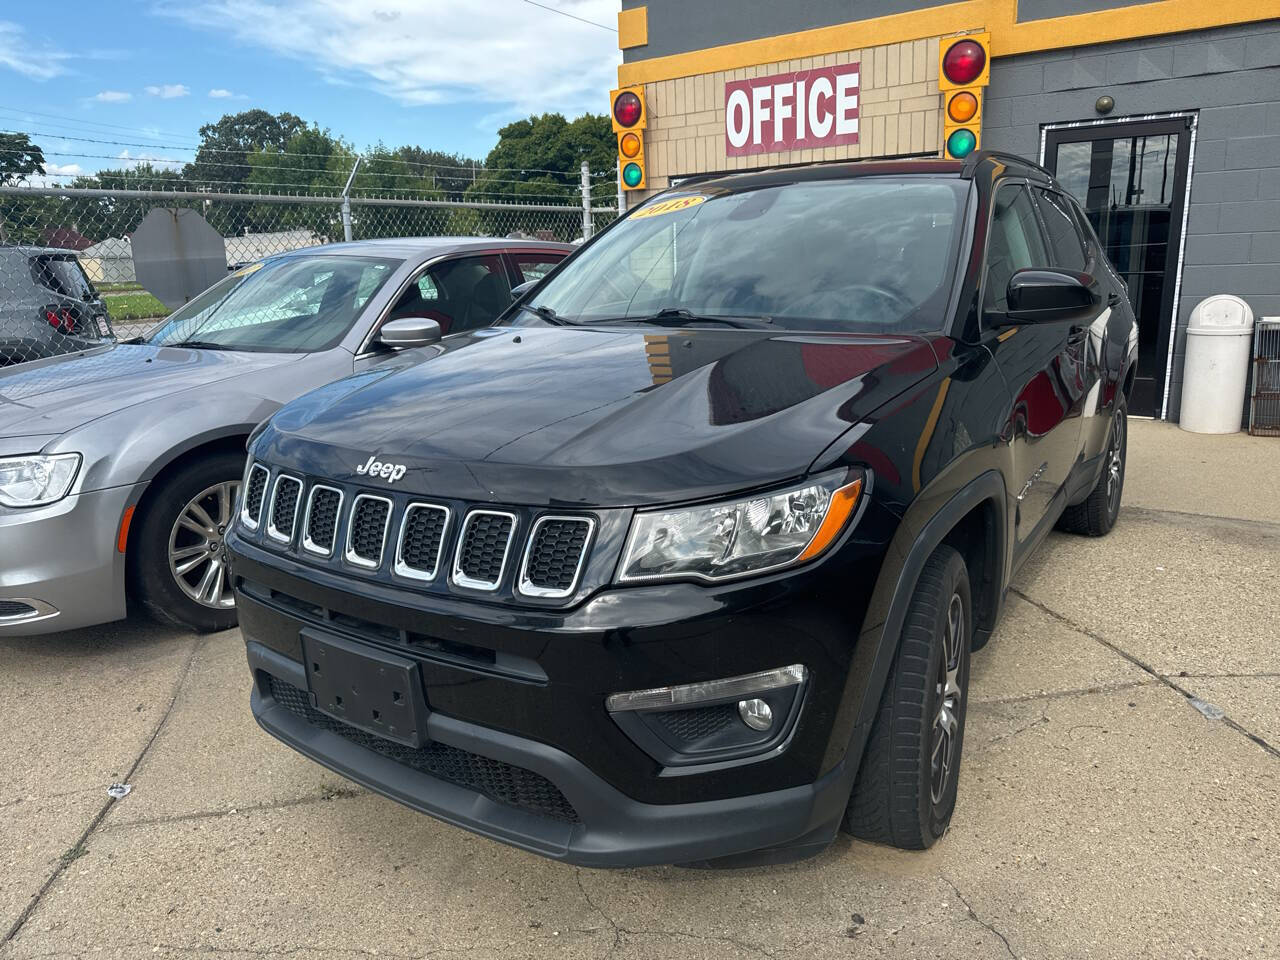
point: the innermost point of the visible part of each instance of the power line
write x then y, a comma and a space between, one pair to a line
572, 16
24, 113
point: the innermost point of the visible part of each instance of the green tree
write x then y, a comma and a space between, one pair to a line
222, 157
19, 158
538, 160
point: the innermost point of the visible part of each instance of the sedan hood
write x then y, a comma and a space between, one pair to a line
59, 394
593, 416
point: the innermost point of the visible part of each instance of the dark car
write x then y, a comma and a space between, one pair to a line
47, 305
683, 560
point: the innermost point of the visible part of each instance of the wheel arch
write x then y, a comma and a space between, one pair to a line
166, 466
977, 508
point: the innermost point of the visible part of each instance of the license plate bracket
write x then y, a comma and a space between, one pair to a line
365, 687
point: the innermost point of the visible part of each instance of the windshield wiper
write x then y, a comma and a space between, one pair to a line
546, 313
679, 316
199, 345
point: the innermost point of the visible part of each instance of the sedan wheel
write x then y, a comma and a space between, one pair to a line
197, 556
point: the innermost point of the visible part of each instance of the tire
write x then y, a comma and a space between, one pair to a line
1097, 513
158, 534
903, 797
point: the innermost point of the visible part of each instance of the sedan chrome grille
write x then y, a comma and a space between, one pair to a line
251, 511
483, 548
367, 530
553, 559
284, 508
421, 540
320, 523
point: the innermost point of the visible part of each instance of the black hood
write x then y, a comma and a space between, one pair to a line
595, 416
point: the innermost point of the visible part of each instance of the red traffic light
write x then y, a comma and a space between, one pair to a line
963, 62
627, 109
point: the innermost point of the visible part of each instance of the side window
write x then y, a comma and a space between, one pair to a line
1014, 243
533, 267
458, 294
1065, 243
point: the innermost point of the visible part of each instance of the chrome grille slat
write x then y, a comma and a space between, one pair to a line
255, 489
367, 525
475, 564
420, 544
320, 522
286, 497
554, 556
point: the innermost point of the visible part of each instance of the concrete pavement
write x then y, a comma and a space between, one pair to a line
1102, 812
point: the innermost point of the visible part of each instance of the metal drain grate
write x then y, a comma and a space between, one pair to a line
1264, 403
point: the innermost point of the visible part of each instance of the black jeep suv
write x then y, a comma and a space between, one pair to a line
684, 558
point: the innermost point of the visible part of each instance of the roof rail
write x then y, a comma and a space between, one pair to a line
972, 160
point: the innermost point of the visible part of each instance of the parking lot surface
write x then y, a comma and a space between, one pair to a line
1120, 794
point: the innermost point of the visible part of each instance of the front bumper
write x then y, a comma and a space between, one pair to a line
64, 558
536, 706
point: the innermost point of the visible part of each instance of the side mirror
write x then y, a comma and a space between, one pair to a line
409, 332
520, 289
1039, 296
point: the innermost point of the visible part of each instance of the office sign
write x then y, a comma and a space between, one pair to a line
791, 111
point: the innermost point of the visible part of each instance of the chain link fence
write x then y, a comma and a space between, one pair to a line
68, 277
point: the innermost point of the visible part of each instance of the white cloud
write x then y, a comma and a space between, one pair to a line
112, 96
222, 93
20, 53
169, 91
62, 169
417, 52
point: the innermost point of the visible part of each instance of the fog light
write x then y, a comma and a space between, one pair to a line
755, 713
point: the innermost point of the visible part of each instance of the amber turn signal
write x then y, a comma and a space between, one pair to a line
843, 502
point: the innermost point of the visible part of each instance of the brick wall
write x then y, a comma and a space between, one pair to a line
900, 112
1231, 78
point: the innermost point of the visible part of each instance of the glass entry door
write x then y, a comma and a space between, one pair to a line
1131, 179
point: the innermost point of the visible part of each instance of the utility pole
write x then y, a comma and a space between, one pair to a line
586, 201
346, 201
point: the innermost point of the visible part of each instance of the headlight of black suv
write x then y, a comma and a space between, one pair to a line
734, 538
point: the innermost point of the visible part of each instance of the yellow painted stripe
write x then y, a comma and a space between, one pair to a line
999, 17
633, 28
927, 434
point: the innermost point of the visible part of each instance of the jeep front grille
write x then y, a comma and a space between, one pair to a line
554, 557
251, 512
483, 548
421, 541
367, 530
321, 521
284, 508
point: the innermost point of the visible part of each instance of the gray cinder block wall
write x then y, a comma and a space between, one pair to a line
1231, 77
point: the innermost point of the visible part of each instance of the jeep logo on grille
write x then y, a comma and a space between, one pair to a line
373, 467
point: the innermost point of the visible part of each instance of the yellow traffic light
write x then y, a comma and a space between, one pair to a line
964, 69
629, 121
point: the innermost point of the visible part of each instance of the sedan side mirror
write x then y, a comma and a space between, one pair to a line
1039, 296
520, 289
409, 332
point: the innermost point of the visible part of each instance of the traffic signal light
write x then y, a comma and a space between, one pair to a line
964, 69
629, 121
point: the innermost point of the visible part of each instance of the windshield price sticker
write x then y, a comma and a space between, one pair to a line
668, 206
245, 271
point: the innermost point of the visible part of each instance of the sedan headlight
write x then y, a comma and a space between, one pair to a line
36, 479
718, 541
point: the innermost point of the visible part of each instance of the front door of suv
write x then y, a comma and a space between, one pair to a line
1042, 362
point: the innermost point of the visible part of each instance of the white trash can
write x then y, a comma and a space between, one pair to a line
1219, 338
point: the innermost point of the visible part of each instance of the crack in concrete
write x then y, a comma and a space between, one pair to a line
1042, 719
619, 929
210, 949
343, 793
1268, 527
1061, 694
1145, 667
77, 849
977, 919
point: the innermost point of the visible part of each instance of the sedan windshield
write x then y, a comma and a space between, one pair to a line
295, 304
873, 254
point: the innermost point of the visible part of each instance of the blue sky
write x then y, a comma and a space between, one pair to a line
442, 74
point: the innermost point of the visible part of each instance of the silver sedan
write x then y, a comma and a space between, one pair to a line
119, 464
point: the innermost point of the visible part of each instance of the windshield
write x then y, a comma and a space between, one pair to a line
871, 254
290, 305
